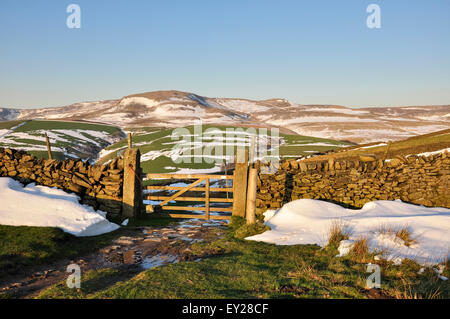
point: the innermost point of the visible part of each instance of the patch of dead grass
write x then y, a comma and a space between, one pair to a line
337, 233
360, 250
408, 291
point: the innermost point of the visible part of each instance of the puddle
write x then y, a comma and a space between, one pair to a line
187, 239
165, 245
197, 223
158, 260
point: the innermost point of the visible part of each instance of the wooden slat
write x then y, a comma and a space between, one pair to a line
197, 189
181, 192
192, 199
191, 208
187, 176
198, 216
220, 217
207, 198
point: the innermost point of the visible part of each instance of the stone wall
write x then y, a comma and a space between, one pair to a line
97, 185
354, 182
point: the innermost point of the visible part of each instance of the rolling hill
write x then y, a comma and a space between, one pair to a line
174, 109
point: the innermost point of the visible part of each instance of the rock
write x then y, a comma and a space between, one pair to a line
129, 257
152, 239
367, 158
395, 162
124, 241
303, 166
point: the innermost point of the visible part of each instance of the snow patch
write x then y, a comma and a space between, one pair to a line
139, 100
49, 207
445, 150
307, 221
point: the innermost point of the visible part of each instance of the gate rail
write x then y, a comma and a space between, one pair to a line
192, 187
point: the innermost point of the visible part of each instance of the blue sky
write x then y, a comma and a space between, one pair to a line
306, 51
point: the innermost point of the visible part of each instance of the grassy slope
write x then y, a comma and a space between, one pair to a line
413, 145
25, 246
64, 125
153, 139
37, 128
22, 246
9, 124
247, 269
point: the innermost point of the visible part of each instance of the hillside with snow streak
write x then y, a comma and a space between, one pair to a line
68, 139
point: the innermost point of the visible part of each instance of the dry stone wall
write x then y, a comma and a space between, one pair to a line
97, 185
354, 182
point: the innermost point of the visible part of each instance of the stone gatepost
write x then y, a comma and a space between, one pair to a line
132, 183
240, 182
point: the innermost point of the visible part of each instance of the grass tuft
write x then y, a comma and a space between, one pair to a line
405, 235
425, 289
336, 233
360, 250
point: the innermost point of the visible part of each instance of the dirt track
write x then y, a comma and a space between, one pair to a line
142, 248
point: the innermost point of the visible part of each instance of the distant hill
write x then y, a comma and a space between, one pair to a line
175, 108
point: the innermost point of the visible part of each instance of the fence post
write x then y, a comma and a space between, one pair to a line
251, 196
49, 148
207, 198
387, 150
132, 188
130, 141
240, 182
252, 150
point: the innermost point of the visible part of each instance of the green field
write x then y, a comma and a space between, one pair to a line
157, 146
68, 139
9, 124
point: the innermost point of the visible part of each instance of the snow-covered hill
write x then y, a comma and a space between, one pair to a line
175, 108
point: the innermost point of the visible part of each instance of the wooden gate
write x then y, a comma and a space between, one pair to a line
204, 196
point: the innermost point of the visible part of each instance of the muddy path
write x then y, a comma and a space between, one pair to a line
140, 249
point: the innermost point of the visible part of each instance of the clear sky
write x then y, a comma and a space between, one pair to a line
312, 51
